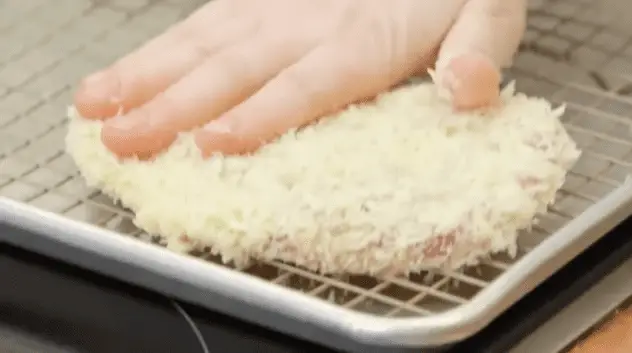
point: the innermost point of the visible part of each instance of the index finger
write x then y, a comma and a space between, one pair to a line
139, 76
326, 79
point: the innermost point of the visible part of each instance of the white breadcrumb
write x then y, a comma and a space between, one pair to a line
396, 186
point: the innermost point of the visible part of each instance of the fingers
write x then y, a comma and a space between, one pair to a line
138, 77
482, 41
472, 80
215, 86
325, 80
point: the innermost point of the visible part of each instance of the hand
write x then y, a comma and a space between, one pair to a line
241, 72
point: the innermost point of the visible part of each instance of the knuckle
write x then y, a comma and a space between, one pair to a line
298, 80
300, 83
232, 67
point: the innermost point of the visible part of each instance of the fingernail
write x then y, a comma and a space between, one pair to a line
95, 78
219, 126
450, 80
123, 122
100, 84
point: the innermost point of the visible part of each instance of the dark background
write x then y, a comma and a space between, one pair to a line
47, 306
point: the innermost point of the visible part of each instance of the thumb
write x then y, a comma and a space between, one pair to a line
482, 41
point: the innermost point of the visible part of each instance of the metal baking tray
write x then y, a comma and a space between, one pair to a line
575, 51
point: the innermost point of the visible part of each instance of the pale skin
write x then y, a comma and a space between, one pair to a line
238, 73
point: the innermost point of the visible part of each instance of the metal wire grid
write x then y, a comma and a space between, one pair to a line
572, 53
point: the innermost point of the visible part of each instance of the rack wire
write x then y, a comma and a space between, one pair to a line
575, 51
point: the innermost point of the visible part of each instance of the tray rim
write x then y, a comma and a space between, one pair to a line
203, 283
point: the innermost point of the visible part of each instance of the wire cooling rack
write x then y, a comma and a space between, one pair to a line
575, 51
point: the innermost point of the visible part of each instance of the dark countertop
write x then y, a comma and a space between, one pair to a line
47, 303
49, 307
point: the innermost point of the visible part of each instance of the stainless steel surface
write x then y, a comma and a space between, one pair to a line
579, 317
575, 51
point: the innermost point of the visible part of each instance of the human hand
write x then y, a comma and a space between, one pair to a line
241, 72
